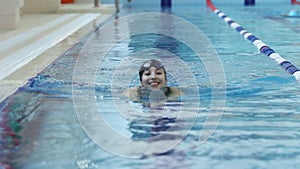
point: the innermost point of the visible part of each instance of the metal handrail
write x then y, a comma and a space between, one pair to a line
117, 6
96, 4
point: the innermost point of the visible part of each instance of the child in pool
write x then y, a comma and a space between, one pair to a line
153, 88
153, 92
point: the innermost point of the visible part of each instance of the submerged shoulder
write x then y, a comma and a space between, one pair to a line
135, 93
131, 93
175, 92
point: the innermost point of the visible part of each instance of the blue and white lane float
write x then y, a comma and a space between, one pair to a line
260, 45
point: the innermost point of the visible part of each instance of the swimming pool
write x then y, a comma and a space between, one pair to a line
259, 126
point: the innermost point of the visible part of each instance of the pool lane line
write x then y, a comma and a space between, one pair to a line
260, 45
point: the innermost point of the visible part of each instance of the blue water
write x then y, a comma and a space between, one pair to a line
42, 122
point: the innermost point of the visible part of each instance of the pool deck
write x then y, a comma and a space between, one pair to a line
41, 38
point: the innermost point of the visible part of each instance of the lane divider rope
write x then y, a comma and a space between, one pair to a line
294, 2
260, 45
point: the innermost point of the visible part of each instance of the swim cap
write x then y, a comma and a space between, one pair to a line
293, 12
151, 63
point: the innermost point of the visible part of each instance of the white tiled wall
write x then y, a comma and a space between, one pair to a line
21, 3
41, 6
10, 10
9, 14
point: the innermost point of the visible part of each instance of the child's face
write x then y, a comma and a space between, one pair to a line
154, 78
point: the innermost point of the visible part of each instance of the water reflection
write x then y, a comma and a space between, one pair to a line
9, 133
160, 121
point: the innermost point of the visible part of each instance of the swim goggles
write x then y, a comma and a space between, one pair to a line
151, 63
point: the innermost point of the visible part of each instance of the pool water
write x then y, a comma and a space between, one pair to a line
54, 121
